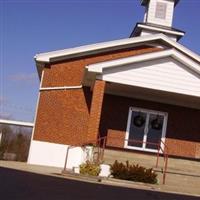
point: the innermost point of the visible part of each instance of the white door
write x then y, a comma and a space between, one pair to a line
145, 129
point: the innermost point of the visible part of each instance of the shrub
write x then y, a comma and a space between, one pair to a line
89, 168
133, 172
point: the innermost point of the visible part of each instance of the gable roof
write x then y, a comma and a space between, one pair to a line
167, 70
110, 46
157, 39
99, 67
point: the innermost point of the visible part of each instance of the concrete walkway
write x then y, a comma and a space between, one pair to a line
183, 176
176, 182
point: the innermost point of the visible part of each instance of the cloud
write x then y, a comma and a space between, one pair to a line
24, 77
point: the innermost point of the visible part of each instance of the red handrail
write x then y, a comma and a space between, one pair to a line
165, 156
101, 144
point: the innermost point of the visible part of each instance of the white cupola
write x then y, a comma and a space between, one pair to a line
158, 18
159, 12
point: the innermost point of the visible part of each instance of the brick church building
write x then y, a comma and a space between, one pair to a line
145, 88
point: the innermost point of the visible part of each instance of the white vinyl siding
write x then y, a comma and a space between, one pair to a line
164, 74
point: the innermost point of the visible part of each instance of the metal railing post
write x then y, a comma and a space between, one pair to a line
158, 155
165, 169
66, 158
163, 150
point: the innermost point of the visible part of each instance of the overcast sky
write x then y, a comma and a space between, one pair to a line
30, 27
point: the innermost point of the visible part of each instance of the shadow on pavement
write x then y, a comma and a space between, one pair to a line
21, 185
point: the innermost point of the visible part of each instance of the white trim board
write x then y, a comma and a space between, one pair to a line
105, 46
148, 27
16, 123
61, 88
49, 56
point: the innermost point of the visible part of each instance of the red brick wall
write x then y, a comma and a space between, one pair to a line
115, 138
71, 72
96, 107
63, 115
184, 148
183, 129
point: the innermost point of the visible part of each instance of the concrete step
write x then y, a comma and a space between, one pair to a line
122, 156
175, 166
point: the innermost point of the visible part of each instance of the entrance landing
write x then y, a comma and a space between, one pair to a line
182, 175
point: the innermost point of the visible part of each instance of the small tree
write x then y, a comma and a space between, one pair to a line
7, 133
15, 140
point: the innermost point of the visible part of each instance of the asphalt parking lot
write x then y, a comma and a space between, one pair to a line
21, 185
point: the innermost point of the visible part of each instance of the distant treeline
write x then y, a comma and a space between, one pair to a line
14, 143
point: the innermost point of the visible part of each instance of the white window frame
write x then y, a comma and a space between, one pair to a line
148, 112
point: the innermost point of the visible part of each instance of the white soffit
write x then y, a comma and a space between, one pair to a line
117, 44
47, 57
99, 67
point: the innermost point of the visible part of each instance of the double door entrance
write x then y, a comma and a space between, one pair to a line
145, 129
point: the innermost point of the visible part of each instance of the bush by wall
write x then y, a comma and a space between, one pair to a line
89, 168
133, 172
